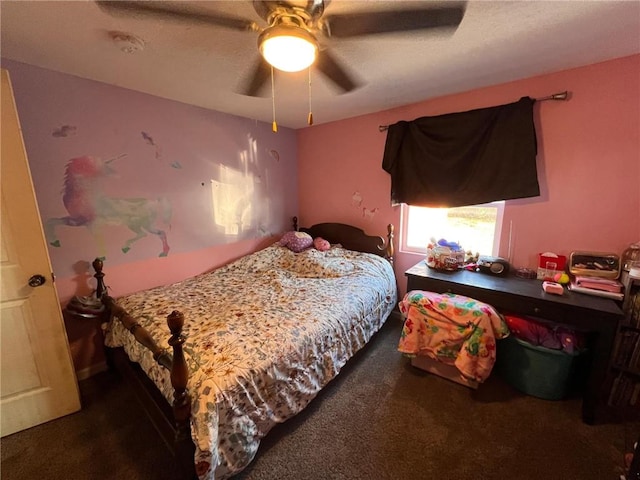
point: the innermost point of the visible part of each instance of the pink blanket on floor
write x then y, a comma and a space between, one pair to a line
453, 329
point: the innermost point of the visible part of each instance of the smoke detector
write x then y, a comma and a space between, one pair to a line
127, 43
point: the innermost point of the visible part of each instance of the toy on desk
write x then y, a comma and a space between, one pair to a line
443, 243
470, 257
553, 287
443, 255
526, 273
561, 278
471, 261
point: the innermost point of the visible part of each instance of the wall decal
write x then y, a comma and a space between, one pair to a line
356, 199
89, 207
64, 131
357, 202
158, 151
369, 212
149, 139
275, 155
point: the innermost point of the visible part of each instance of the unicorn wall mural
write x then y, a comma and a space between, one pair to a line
155, 203
88, 206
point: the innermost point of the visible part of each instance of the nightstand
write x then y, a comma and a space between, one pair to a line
83, 317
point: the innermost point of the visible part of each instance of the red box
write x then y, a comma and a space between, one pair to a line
549, 264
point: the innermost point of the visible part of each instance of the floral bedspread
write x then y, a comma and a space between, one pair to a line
263, 335
453, 329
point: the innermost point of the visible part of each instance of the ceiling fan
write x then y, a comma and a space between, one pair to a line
290, 39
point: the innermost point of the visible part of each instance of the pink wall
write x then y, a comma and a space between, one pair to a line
588, 164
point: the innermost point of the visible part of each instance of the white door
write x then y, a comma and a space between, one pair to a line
37, 379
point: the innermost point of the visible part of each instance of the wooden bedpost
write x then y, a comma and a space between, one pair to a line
140, 333
179, 376
387, 245
183, 444
390, 249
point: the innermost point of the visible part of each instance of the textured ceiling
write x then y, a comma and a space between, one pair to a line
203, 65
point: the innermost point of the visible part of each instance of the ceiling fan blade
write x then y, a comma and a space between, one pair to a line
315, 8
175, 12
259, 76
335, 72
374, 22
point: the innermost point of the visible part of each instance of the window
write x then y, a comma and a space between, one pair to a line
476, 228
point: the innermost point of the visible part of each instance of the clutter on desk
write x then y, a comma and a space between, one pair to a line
553, 287
528, 273
574, 287
493, 265
594, 264
586, 272
444, 255
596, 274
550, 264
598, 283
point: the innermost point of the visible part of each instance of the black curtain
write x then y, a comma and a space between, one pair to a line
464, 158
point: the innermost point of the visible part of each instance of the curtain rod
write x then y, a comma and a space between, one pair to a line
556, 96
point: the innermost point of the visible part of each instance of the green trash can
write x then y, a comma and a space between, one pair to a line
539, 371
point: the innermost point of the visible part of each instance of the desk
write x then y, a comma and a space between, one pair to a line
597, 316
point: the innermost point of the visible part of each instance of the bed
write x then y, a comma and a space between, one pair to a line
252, 343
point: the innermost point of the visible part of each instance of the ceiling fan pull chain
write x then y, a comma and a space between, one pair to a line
310, 118
274, 125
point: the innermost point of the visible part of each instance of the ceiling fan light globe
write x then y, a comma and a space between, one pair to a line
288, 48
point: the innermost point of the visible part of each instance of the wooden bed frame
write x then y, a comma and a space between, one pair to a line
173, 421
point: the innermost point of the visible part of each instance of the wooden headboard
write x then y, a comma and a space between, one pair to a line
352, 238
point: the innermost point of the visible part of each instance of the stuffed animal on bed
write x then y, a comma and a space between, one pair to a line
296, 241
321, 244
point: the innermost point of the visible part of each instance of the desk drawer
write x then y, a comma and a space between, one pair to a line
532, 308
514, 304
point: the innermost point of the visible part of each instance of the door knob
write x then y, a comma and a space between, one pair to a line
36, 280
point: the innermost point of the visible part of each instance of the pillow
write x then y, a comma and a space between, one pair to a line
321, 244
296, 241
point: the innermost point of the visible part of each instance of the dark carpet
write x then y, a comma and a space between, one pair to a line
380, 419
